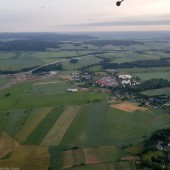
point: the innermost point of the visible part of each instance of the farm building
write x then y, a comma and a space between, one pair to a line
53, 73
126, 76
72, 90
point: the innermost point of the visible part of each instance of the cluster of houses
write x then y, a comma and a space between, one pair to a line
107, 81
81, 77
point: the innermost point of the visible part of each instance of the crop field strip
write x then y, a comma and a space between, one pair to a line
34, 119
89, 120
15, 121
58, 130
39, 133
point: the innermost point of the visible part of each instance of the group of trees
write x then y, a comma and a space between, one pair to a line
73, 60
159, 135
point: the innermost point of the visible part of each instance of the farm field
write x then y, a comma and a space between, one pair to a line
37, 135
110, 123
27, 157
156, 75
58, 130
83, 61
35, 117
131, 56
91, 155
143, 70
154, 92
43, 126
128, 107
18, 60
28, 95
7, 144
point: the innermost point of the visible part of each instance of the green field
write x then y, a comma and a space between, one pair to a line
148, 76
83, 61
28, 95
99, 124
154, 92
17, 60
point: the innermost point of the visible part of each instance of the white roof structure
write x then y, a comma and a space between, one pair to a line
126, 76
72, 90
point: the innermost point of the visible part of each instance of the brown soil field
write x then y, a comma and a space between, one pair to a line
28, 158
128, 107
7, 144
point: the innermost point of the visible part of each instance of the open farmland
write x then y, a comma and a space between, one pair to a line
35, 117
37, 135
28, 157
43, 126
91, 155
58, 130
50, 87
128, 107
147, 76
112, 126
83, 61
28, 95
7, 144
59, 99
154, 92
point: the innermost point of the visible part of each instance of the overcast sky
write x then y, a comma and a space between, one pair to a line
83, 15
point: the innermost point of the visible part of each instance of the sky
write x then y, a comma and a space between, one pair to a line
83, 15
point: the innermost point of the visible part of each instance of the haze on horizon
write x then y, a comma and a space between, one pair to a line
84, 15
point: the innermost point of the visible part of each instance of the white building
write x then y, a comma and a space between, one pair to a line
72, 90
126, 76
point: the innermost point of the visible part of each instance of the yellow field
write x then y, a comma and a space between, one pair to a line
31, 124
57, 132
7, 144
28, 158
128, 107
